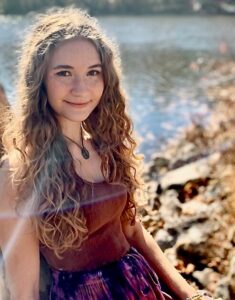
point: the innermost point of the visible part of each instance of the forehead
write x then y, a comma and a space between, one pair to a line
74, 51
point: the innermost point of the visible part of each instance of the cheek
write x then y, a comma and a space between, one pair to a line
53, 90
100, 89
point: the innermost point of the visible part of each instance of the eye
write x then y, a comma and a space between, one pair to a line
63, 73
94, 73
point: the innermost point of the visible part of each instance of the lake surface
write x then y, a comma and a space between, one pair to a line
165, 93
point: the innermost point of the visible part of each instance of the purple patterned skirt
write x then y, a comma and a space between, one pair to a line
129, 278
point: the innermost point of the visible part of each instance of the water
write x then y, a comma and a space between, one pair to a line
157, 51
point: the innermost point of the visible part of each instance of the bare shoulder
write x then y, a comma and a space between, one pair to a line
18, 241
10, 218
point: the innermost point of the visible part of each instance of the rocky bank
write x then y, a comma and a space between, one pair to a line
190, 209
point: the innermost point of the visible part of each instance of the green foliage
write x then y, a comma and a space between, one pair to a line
117, 6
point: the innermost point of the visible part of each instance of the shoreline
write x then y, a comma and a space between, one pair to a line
190, 210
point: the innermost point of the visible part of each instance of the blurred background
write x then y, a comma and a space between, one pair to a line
179, 73
162, 45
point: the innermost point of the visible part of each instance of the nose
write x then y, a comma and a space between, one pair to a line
79, 85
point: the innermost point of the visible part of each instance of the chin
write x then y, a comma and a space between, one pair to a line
78, 119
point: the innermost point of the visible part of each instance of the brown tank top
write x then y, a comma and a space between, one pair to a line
102, 205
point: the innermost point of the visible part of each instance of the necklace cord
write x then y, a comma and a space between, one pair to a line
85, 153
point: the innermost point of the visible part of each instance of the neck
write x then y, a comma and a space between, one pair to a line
73, 132
84, 152
80, 145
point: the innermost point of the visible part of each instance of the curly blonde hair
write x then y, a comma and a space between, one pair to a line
43, 167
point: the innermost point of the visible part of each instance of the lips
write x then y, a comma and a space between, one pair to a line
80, 104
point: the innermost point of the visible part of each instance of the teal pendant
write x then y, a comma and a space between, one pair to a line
85, 153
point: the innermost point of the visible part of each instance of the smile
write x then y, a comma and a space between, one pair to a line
82, 104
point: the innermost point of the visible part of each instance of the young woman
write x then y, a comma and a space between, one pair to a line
69, 176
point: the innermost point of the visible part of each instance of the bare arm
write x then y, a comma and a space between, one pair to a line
142, 240
19, 246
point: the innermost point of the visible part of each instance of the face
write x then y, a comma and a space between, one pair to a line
74, 80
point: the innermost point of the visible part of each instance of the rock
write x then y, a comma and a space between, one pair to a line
186, 152
194, 171
231, 234
190, 190
151, 193
170, 207
231, 275
146, 219
157, 165
195, 198
213, 192
199, 209
226, 286
196, 234
222, 289
165, 239
206, 277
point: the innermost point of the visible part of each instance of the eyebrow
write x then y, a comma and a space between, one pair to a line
70, 67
